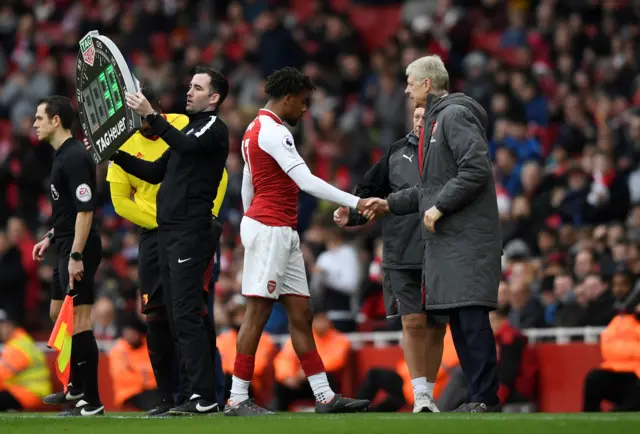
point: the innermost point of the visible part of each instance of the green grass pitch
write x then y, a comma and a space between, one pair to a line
304, 423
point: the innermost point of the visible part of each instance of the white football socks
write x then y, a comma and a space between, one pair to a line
239, 390
421, 384
320, 385
430, 387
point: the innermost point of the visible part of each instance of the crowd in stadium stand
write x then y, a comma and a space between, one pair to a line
559, 80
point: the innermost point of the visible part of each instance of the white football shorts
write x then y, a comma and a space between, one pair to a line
273, 263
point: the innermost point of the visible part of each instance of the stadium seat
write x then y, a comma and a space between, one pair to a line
160, 46
376, 24
340, 6
5, 129
302, 9
486, 41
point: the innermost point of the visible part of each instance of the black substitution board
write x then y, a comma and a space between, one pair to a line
102, 78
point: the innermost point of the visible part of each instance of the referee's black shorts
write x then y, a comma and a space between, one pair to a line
84, 290
149, 271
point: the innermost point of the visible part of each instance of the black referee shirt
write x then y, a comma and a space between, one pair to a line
73, 186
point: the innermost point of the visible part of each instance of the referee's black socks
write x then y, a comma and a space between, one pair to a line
76, 385
85, 349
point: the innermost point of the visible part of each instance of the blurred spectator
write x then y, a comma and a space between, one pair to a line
396, 384
618, 378
226, 342
276, 47
336, 279
24, 376
373, 314
508, 170
584, 264
134, 383
559, 83
515, 139
391, 383
526, 311
599, 310
19, 236
12, 279
390, 108
104, 319
291, 382
565, 310
608, 199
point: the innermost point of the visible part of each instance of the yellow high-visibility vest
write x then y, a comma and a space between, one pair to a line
35, 378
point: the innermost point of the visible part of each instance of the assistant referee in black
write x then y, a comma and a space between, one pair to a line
190, 172
78, 248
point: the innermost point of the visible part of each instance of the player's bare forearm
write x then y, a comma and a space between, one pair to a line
83, 226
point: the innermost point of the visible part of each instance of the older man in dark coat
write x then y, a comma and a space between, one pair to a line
457, 198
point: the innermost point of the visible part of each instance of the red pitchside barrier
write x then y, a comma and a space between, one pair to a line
562, 372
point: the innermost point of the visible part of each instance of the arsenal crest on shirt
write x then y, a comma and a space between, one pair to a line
434, 127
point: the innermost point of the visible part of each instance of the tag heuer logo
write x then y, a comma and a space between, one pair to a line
88, 50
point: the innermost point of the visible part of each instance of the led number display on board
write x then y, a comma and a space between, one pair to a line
102, 98
102, 78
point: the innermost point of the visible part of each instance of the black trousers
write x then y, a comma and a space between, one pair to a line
620, 388
186, 262
8, 402
387, 380
146, 400
476, 347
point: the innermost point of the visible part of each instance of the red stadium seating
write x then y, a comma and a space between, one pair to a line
376, 24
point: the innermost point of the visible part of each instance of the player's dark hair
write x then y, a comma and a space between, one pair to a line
219, 83
60, 106
287, 81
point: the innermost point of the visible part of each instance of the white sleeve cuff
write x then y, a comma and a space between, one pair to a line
247, 189
316, 187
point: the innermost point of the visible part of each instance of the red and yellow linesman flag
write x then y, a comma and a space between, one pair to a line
60, 339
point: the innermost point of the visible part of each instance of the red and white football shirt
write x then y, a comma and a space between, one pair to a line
270, 153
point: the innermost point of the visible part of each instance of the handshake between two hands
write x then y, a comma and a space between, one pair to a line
369, 208
376, 207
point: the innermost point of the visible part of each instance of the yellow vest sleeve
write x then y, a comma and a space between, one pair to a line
116, 173
178, 121
222, 191
127, 208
